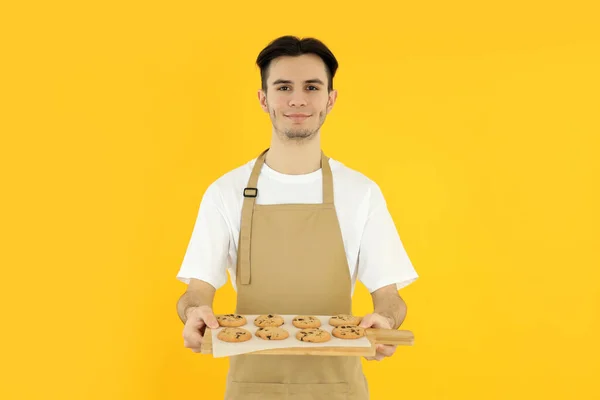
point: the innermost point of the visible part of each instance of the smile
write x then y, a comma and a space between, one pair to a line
298, 117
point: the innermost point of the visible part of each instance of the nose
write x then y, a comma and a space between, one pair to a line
297, 100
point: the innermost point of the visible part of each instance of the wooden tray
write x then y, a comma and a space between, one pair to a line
375, 336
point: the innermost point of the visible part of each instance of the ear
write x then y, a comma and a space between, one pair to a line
331, 100
262, 99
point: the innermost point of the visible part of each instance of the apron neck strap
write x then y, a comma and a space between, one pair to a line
251, 191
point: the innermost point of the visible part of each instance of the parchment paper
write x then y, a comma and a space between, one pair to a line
225, 349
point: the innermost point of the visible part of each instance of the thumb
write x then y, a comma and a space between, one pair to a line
367, 321
209, 319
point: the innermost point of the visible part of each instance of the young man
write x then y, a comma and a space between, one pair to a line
314, 226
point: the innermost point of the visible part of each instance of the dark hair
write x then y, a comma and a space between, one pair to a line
294, 46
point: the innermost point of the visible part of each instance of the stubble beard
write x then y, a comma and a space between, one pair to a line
297, 135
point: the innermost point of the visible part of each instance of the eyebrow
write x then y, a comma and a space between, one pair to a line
286, 81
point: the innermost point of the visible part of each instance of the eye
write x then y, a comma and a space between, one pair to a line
311, 86
283, 87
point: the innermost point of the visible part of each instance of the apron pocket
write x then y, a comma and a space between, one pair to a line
318, 391
255, 391
291, 391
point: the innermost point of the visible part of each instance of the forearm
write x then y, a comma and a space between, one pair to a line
391, 306
198, 294
394, 310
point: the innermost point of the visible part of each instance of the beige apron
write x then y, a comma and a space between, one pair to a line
291, 260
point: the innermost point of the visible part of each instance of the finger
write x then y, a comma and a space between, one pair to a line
367, 321
386, 350
191, 338
193, 325
195, 349
194, 346
378, 357
373, 357
209, 318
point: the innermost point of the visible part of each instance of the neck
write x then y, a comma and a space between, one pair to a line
294, 158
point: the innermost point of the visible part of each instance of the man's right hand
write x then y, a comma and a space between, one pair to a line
198, 318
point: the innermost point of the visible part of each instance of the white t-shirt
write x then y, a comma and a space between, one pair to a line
373, 247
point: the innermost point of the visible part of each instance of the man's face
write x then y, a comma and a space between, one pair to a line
297, 99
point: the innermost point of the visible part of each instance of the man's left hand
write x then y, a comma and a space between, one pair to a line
379, 321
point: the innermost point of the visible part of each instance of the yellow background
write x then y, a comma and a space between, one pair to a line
478, 120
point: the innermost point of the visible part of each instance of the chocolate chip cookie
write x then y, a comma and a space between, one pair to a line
231, 320
272, 333
348, 332
344, 319
263, 321
306, 321
234, 335
313, 335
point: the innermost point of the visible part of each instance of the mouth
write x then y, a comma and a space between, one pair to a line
298, 117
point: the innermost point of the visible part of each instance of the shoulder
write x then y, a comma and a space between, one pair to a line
353, 181
238, 176
230, 184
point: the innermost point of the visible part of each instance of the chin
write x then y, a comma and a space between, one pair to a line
295, 135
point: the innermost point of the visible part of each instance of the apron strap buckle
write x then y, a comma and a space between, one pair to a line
250, 195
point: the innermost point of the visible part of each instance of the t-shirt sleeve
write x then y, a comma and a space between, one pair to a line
382, 258
207, 250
